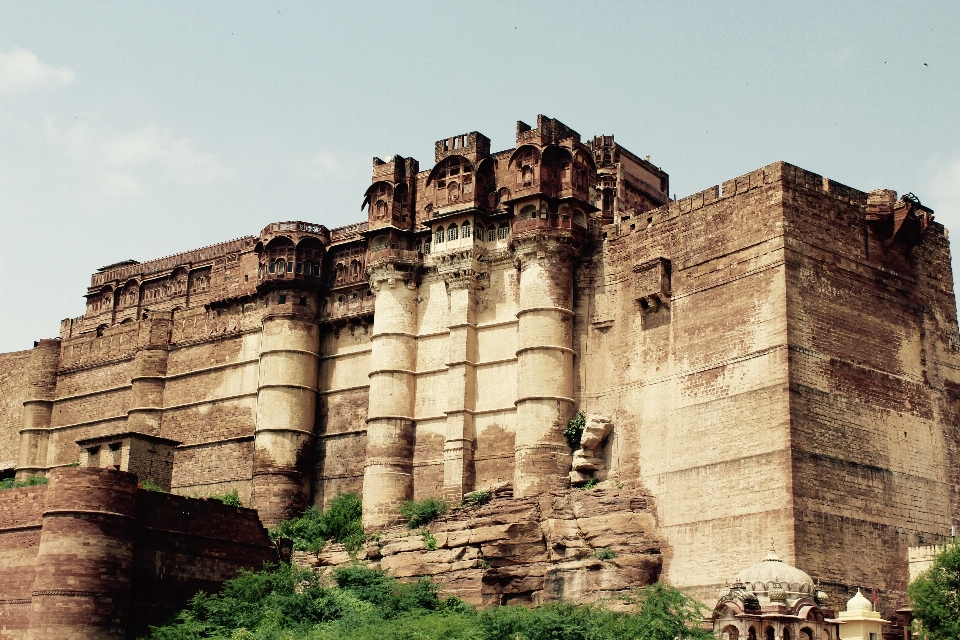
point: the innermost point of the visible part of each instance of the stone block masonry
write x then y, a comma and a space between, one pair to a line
778, 356
90, 555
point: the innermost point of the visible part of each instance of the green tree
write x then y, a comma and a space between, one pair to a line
935, 596
666, 613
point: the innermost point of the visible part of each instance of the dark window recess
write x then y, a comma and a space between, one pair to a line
273, 267
282, 299
299, 267
303, 301
289, 267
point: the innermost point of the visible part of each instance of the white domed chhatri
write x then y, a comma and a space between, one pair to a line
858, 604
762, 577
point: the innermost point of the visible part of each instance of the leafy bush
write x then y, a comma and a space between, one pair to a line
574, 430
32, 481
422, 512
340, 523
150, 485
590, 484
231, 498
935, 595
476, 499
605, 554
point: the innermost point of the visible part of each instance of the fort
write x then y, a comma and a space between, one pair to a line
774, 358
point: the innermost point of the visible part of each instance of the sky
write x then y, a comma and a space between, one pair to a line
135, 130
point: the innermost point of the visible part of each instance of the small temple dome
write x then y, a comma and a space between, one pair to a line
859, 603
772, 570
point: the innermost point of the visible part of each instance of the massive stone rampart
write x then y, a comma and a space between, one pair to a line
90, 555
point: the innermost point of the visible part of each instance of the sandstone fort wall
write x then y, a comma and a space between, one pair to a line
91, 556
778, 356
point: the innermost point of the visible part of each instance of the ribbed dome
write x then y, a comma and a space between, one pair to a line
859, 603
763, 575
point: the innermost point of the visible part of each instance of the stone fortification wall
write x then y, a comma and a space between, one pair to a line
575, 546
90, 556
13, 385
682, 342
875, 367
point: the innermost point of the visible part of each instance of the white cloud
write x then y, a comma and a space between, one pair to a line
129, 162
21, 71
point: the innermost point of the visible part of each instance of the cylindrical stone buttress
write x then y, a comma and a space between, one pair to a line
81, 586
545, 372
388, 475
146, 391
286, 412
38, 408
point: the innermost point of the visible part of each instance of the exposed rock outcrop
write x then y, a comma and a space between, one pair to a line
576, 546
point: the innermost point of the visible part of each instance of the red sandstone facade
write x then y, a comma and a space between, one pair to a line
91, 556
779, 355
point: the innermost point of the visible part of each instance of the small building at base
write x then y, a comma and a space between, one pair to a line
860, 621
772, 600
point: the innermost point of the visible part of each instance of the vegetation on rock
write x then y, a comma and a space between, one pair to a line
340, 523
574, 430
935, 595
420, 513
287, 603
231, 498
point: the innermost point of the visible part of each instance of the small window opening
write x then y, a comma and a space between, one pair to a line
273, 268
303, 301
282, 299
289, 267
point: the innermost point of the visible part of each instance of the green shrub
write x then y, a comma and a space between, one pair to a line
150, 485
429, 542
574, 430
231, 498
476, 499
422, 512
605, 554
590, 484
340, 523
935, 596
32, 481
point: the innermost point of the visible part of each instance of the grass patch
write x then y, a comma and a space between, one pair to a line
231, 498
420, 513
32, 481
476, 499
605, 554
150, 485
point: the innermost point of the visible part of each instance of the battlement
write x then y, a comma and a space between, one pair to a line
151, 267
473, 145
548, 131
396, 169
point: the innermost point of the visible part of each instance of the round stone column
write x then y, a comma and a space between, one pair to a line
388, 475
81, 586
286, 407
544, 363
38, 408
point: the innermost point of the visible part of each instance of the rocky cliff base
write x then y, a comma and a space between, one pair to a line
576, 546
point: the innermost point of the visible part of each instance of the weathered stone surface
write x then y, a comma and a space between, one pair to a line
545, 552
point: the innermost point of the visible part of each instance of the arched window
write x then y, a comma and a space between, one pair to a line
786, 634
527, 176
465, 230
453, 232
439, 238
752, 633
491, 233
479, 233
528, 211
806, 633
769, 634
426, 246
468, 184
579, 218
503, 232
339, 301
453, 191
381, 209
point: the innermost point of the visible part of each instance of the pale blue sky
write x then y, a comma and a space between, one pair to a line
137, 130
